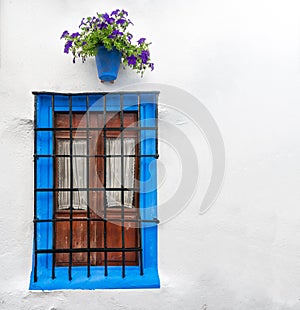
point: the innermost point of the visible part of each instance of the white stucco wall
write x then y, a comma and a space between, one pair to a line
241, 60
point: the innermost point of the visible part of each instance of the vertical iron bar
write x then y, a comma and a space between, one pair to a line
140, 253
88, 184
35, 192
71, 185
104, 185
122, 183
53, 185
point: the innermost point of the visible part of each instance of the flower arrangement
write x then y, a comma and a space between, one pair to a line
111, 32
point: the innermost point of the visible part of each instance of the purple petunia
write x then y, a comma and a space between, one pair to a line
151, 65
84, 43
102, 26
121, 21
124, 12
82, 23
75, 34
131, 60
129, 37
116, 12
65, 33
108, 19
115, 33
141, 41
144, 56
68, 45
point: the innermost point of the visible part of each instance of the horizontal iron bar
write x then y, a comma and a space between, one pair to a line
155, 220
96, 189
86, 250
94, 128
95, 93
93, 156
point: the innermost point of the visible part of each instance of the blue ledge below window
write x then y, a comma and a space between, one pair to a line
97, 280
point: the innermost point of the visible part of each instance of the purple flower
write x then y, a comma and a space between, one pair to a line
131, 60
110, 20
129, 37
121, 21
124, 12
141, 41
68, 45
105, 16
151, 65
115, 33
65, 33
144, 56
74, 35
82, 23
116, 12
84, 43
102, 26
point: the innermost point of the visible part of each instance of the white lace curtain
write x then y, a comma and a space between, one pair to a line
79, 174
113, 173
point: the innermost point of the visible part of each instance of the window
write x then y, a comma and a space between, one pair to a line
95, 198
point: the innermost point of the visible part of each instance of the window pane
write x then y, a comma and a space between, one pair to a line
79, 174
113, 173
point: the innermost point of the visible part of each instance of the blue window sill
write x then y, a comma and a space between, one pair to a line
97, 280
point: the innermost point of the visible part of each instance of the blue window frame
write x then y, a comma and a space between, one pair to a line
45, 275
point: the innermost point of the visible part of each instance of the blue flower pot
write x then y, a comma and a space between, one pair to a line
108, 63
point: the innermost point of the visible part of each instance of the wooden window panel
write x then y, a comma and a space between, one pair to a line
79, 228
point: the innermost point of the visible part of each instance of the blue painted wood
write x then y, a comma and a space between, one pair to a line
97, 280
148, 196
96, 103
148, 168
44, 200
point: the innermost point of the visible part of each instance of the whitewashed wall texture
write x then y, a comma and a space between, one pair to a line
241, 60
